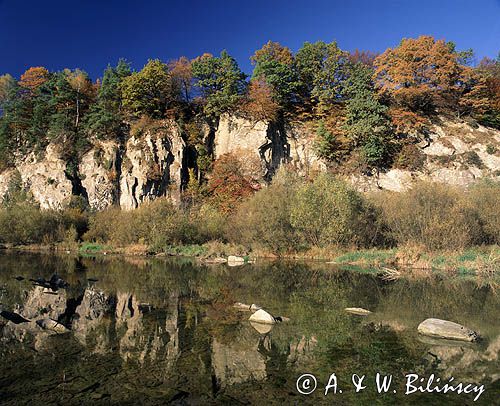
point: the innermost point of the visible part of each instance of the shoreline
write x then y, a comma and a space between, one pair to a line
392, 263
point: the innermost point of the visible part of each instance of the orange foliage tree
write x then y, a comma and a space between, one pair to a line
259, 102
182, 75
421, 74
229, 185
34, 77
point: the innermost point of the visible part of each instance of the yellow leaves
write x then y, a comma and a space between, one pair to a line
273, 51
34, 77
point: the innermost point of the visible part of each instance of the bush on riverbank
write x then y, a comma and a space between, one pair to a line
292, 216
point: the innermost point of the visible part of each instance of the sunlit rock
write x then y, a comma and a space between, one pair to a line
446, 329
261, 316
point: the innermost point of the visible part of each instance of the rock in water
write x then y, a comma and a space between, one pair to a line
446, 329
357, 311
261, 328
49, 324
261, 316
235, 261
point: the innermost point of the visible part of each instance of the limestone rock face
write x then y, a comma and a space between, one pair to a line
152, 165
46, 178
99, 171
302, 154
265, 146
446, 329
5, 180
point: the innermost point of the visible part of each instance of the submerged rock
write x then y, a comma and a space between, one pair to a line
358, 311
242, 306
446, 329
261, 316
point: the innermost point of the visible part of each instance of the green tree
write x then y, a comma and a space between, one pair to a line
367, 124
148, 92
221, 81
328, 211
274, 64
106, 116
322, 69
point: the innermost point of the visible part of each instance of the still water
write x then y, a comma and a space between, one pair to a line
151, 331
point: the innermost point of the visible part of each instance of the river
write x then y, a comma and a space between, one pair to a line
160, 331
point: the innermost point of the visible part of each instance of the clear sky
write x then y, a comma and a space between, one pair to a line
89, 34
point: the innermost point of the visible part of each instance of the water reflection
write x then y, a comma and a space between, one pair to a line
154, 332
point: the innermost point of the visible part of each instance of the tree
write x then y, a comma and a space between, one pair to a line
421, 74
274, 64
182, 76
7, 85
82, 87
34, 77
322, 69
259, 103
484, 97
367, 124
106, 116
228, 184
221, 81
148, 92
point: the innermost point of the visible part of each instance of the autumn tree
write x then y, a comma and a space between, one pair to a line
228, 184
259, 103
274, 64
182, 76
7, 86
220, 80
150, 91
484, 97
34, 77
421, 74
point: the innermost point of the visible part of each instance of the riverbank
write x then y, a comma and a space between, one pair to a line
392, 263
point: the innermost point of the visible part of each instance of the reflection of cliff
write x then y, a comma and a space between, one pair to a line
101, 322
240, 360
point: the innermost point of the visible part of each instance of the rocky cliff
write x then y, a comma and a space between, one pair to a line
154, 161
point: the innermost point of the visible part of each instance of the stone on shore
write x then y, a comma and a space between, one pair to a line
446, 329
261, 316
233, 260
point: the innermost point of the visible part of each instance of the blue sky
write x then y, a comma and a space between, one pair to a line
89, 34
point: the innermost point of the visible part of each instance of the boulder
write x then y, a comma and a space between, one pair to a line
233, 260
53, 325
358, 311
262, 328
261, 316
446, 329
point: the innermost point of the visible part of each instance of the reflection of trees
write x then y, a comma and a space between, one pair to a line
149, 326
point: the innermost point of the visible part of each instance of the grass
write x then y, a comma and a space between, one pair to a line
92, 248
373, 257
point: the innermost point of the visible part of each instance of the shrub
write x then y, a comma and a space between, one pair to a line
264, 220
484, 196
329, 212
433, 215
410, 157
25, 223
